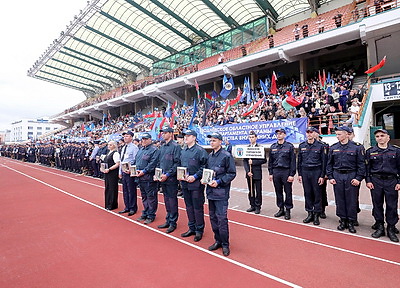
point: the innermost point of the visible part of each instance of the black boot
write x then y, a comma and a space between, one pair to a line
380, 230
342, 224
323, 215
351, 227
287, 214
280, 213
309, 217
376, 225
392, 233
316, 219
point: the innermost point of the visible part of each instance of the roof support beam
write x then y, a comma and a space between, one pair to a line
110, 53
91, 63
79, 68
228, 20
167, 48
122, 44
68, 72
68, 79
266, 6
162, 22
65, 84
181, 20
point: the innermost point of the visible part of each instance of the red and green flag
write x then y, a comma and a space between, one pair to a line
377, 67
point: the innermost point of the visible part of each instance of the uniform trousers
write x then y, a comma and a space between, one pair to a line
149, 198
194, 201
384, 192
345, 195
281, 184
218, 210
312, 191
129, 188
170, 193
255, 193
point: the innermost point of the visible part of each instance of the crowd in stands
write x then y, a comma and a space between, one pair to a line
327, 106
333, 19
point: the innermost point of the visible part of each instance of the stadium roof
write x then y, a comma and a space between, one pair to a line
111, 41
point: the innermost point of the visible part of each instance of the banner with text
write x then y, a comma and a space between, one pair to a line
237, 134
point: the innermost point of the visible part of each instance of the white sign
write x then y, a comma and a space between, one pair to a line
244, 151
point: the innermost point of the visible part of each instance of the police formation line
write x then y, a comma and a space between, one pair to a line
143, 165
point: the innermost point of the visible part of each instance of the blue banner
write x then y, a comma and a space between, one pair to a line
237, 134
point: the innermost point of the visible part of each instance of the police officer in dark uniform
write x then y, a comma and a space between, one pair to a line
223, 164
253, 170
383, 171
311, 166
282, 168
194, 158
169, 160
146, 161
345, 170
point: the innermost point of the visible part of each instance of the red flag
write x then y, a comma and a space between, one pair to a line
254, 107
323, 78
273, 90
237, 99
208, 96
174, 105
227, 106
320, 78
152, 124
152, 115
372, 70
197, 89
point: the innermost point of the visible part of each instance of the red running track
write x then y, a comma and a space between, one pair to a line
54, 232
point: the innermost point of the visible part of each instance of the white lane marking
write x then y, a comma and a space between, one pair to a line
262, 273
230, 208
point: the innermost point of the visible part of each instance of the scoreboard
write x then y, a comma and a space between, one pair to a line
391, 90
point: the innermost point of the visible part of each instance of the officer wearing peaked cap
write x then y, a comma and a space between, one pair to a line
282, 168
345, 170
223, 164
194, 158
383, 178
311, 170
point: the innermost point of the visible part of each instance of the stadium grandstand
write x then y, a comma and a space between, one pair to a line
131, 57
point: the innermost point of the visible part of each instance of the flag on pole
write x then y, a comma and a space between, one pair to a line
264, 88
254, 107
274, 89
377, 67
197, 89
194, 114
228, 86
323, 79
237, 99
208, 96
214, 95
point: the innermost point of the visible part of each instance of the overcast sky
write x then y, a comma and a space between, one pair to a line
27, 29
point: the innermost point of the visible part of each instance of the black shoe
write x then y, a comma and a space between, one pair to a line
226, 251
280, 213
123, 211
351, 227
162, 226
287, 214
355, 223
257, 211
180, 194
396, 230
141, 218
392, 234
309, 218
380, 231
188, 233
342, 224
376, 225
316, 219
214, 246
148, 221
131, 213
322, 215
170, 229
251, 209
198, 237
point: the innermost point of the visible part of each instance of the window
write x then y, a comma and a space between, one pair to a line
47, 128
39, 128
30, 128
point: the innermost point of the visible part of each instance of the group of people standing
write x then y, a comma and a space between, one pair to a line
156, 168
344, 165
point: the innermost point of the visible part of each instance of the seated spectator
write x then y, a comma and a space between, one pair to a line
338, 19
305, 30
221, 58
271, 40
